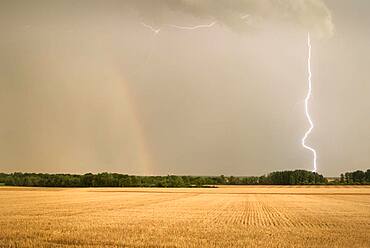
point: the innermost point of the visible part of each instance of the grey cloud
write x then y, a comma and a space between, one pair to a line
239, 15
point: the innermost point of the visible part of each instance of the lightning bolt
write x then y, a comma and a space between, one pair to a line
193, 27
151, 49
306, 101
246, 16
157, 30
151, 28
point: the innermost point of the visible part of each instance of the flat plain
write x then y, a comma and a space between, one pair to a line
246, 216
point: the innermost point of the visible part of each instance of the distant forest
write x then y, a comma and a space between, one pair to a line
296, 177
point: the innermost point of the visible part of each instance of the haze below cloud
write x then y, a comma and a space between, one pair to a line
85, 87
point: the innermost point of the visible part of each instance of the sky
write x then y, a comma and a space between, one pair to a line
86, 87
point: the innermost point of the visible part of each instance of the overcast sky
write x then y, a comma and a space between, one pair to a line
86, 87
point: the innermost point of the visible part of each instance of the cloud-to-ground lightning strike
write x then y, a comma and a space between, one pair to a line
306, 101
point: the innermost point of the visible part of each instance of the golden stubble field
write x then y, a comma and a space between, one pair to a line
251, 216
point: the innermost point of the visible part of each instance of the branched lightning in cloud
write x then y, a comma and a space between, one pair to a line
306, 101
154, 30
151, 49
193, 27
157, 30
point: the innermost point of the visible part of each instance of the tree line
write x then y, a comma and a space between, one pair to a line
355, 177
296, 177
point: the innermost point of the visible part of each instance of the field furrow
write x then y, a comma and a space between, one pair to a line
221, 217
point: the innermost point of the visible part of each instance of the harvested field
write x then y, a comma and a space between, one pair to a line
253, 216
